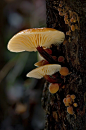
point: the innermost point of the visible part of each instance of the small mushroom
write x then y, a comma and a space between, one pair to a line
64, 71
66, 21
55, 58
64, 100
61, 13
69, 100
59, 9
70, 110
68, 96
45, 71
66, 16
73, 20
53, 87
60, 59
73, 97
72, 27
75, 104
35, 39
41, 63
60, 5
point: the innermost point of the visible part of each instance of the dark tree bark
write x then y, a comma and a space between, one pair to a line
74, 50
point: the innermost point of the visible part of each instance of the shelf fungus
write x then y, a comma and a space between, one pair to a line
36, 39
45, 71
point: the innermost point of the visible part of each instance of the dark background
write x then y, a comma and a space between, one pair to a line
20, 97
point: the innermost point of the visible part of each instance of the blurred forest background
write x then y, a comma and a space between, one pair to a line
20, 97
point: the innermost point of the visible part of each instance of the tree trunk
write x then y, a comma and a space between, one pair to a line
68, 16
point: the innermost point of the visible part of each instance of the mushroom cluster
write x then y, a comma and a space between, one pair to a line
53, 68
70, 17
40, 39
69, 102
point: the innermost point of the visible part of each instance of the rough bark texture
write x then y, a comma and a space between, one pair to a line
74, 50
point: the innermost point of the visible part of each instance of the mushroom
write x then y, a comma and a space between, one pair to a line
45, 71
69, 100
65, 102
42, 62
68, 96
73, 97
72, 27
64, 71
75, 104
36, 39
53, 87
70, 110
60, 59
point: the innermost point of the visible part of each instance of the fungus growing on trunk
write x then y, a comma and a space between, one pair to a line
53, 87
69, 103
69, 100
36, 39
60, 59
41, 63
70, 110
72, 27
75, 104
64, 100
73, 97
45, 71
64, 71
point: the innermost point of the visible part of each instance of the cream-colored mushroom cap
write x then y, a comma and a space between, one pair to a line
30, 39
48, 69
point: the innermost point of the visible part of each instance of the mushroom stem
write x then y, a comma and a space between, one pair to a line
52, 80
46, 55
